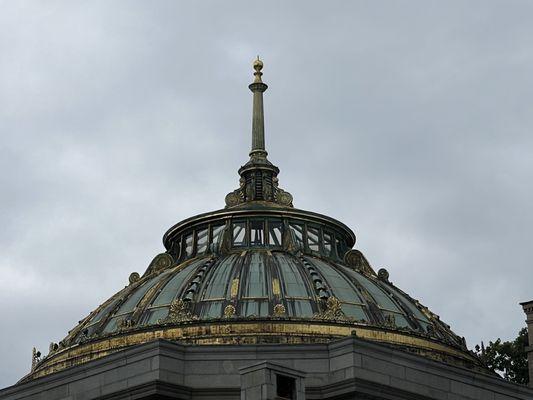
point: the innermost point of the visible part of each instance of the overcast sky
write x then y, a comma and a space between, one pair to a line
408, 121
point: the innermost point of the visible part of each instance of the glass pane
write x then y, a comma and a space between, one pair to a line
219, 281
341, 246
256, 285
417, 313
201, 241
112, 325
103, 312
239, 234
313, 238
300, 308
212, 309
399, 320
275, 233
354, 311
424, 324
90, 329
381, 298
188, 245
257, 233
327, 243
174, 286
298, 234
217, 235
138, 294
340, 286
155, 315
254, 307
291, 278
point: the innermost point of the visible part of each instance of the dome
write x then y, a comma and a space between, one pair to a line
258, 271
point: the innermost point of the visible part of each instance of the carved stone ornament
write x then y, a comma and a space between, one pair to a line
134, 277
178, 312
249, 190
160, 262
279, 310
269, 192
333, 311
125, 324
284, 198
84, 335
229, 311
355, 259
234, 198
383, 275
53, 347
390, 321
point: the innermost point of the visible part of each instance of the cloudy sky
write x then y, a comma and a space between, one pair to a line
409, 121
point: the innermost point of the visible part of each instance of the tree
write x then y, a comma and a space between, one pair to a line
509, 359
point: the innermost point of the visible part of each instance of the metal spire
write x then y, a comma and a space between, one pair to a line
259, 177
258, 119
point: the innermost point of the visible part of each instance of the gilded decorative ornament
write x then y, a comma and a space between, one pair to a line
279, 310
125, 324
355, 259
333, 311
178, 312
229, 311
234, 288
160, 262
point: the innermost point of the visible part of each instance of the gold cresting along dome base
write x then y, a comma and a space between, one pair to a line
258, 271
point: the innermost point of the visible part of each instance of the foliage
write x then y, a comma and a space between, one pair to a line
509, 359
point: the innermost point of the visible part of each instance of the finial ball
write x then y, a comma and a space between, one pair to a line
258, 64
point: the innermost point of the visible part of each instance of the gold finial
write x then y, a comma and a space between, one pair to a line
258, 66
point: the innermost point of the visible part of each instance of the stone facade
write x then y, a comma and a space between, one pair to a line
347, 369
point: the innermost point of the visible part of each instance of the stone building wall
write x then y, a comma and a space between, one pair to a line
348, 369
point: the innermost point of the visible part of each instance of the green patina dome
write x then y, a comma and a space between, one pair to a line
258, 271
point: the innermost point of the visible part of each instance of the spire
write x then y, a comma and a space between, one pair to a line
259, 177
258, 119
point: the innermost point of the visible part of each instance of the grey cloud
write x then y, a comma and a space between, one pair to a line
410, 123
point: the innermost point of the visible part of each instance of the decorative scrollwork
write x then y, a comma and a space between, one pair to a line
134, 277
284, 198
229, 311
178, 312
355, 259
383, 275
279, 310
333, 311
160, 262
234, 198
